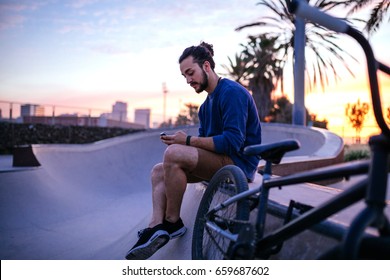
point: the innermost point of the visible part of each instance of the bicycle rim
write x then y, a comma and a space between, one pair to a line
207, 244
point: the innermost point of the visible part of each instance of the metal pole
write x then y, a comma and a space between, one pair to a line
53, 115
10, 112
299, 111
165, 91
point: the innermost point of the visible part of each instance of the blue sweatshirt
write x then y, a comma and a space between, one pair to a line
229, 115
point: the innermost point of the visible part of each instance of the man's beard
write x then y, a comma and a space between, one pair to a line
204, 84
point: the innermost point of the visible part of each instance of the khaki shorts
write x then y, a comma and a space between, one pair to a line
208, 164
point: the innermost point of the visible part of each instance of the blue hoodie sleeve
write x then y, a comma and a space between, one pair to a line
234, 110
201, 132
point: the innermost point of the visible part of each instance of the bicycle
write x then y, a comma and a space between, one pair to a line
223, 229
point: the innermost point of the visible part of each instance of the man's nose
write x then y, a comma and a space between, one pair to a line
189, 80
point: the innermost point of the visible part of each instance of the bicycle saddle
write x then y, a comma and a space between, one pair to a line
273, 152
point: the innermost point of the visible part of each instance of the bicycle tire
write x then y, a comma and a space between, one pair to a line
227, 182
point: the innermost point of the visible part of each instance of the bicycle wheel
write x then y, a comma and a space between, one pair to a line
227, 182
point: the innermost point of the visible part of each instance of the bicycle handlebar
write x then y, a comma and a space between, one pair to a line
304, 10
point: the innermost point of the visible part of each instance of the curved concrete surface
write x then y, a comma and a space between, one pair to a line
89, 201
319, 148
315, 142
84, 202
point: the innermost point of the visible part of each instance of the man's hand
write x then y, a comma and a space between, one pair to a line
178, 138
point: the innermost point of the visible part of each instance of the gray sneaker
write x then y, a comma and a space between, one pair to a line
151, 239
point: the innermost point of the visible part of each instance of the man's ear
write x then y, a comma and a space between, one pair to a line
206, 66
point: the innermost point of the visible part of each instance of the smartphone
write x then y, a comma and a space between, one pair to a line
162, 134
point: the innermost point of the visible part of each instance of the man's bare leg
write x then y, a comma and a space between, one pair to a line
179, 160
158, 195
169, 181
181, 164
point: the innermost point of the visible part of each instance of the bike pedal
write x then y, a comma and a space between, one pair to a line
243, 248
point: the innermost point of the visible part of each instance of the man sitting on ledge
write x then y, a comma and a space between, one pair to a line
228, 122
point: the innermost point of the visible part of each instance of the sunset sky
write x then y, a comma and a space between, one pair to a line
91, 53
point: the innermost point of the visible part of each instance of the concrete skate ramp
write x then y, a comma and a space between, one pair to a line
89, 201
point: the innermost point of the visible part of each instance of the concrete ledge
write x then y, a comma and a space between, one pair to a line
288, 168
23, 156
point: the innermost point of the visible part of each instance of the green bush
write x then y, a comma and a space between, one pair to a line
356, 155
16, 134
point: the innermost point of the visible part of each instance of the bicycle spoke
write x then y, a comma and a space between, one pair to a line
211, 243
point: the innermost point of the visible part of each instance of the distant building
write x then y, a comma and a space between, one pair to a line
119, 111
30, 110
34, 114
142, 116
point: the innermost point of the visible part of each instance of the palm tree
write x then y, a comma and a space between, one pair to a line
237, 69
356, 114
378, 12
258, 69
321, 45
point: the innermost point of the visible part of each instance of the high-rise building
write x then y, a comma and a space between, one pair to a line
29, 110
142, 116
119, 111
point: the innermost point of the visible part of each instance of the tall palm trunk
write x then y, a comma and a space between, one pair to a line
261, 92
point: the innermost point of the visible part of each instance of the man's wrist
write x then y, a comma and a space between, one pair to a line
188, 140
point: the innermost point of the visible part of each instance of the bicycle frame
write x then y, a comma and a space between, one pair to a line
372, 189
339, 171
375, 196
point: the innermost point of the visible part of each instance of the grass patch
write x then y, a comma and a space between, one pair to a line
356, 152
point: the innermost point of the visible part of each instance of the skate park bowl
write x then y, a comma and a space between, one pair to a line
88, 201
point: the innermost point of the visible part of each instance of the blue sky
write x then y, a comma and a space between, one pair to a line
59, 51
95, 52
